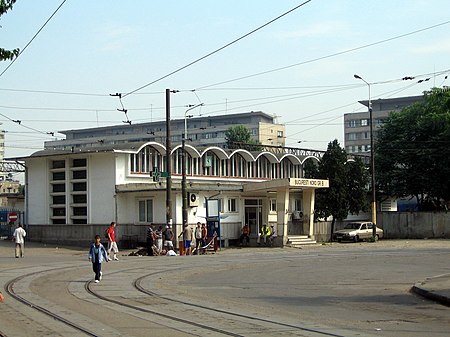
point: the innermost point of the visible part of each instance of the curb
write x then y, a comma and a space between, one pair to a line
429, 294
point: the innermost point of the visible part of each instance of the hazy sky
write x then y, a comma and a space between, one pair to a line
300, 67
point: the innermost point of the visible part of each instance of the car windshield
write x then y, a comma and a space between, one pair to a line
352, 226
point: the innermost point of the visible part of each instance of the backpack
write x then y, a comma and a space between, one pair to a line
106, 233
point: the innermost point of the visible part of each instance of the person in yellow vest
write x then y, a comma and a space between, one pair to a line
264, 233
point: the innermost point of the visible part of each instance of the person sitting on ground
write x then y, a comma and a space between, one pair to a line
169, 252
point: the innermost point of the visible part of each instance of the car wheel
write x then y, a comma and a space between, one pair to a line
339, 240
356, 238
377, 238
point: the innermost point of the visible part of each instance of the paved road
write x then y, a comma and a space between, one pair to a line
322, 290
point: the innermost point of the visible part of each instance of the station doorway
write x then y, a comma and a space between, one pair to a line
253, 215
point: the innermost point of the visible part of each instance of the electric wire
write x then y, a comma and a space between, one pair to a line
32, 39
326, 56
217, 50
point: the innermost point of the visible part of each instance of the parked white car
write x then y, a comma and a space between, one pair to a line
356, 231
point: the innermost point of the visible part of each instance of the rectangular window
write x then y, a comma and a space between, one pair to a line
56, 164
146, 210
59, 211
79, 198
364, 122
79, 187
58, 188
59, 199
59, 175
232, 205
79, 174
273, 205
80, 211
79, 162
352, 123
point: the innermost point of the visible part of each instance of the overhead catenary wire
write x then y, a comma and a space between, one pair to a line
32, 39
217, 50
326, 56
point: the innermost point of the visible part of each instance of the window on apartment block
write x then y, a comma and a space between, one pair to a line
146, 210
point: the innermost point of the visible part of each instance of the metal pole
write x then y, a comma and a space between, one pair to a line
183, 166
372, 161
168, 162
183, 179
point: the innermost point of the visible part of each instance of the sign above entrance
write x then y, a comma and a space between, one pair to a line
301, 182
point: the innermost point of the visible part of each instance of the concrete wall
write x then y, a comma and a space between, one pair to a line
83, 235
414, 225
399, 225
37, 191
101, 188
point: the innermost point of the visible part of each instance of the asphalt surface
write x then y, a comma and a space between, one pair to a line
434, 287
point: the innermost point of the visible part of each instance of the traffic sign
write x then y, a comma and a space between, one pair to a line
12, 216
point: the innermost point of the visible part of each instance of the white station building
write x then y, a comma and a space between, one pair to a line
73, 193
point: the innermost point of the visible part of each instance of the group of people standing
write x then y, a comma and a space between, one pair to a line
159, 241
200, 234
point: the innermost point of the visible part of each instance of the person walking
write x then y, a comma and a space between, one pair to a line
97, 253
159, 239
150, 236
18, 237
198, 238
187, 238
112, 244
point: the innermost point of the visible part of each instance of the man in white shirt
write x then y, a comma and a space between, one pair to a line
19, 234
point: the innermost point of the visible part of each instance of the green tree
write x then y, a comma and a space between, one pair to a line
412, 154
311, 169
346, 193
239, 137
6, 5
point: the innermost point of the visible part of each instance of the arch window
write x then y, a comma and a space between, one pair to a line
145, 160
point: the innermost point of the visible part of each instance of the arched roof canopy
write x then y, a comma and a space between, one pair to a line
220, 153
292, 158
244, 153
192, 151
310, 157
269, 156
157, 146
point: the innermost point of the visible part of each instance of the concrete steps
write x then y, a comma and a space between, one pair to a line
299, 240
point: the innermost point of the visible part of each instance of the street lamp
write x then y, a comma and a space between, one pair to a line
183, 165
372, 161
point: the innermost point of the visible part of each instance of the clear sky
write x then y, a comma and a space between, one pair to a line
299, 68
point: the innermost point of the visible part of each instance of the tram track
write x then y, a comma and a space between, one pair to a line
9, 288
239, 324
247, 320
231, 323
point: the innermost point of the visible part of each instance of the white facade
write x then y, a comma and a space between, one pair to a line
93, 187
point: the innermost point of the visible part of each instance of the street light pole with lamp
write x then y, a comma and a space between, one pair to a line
183, 165
372, 161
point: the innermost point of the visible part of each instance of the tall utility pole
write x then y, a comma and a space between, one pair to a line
372, 161
168, 163
183, 165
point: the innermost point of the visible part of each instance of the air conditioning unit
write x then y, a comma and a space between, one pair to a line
297, 215
193, 199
